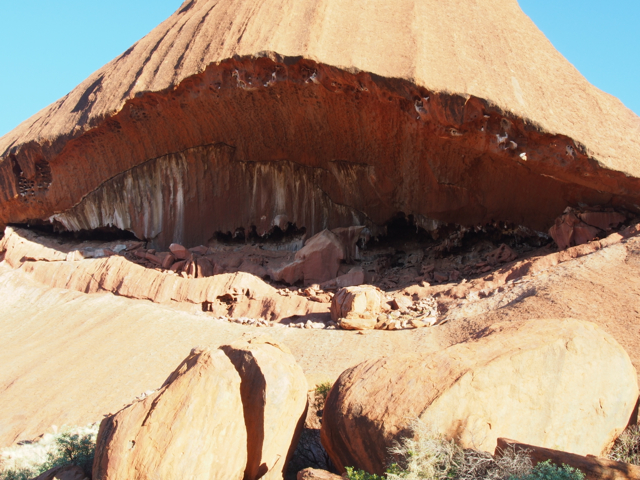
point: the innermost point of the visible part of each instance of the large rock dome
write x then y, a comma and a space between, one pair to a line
234, 114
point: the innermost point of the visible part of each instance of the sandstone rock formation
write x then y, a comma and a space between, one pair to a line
317, 262
192, 427
575, 228
238, 116
357, 308
557, 383
274, 395
232, 413
238, 294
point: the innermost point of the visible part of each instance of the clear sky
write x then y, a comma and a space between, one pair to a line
48, 47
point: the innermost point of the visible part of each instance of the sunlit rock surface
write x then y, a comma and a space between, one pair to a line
233, 114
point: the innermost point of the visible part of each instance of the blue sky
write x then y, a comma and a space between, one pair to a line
47, 47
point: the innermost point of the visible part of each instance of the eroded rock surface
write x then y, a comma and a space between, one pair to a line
557, 383
241, 116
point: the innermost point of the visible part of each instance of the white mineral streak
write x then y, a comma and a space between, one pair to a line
134, 200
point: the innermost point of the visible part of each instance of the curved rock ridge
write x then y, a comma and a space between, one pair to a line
237, 295
232, 114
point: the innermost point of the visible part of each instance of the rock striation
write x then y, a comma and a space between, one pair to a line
564, 384
240, 116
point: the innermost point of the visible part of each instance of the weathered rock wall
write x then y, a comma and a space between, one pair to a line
327, 112
252, 139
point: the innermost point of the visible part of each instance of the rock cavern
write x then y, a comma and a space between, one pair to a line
407, 195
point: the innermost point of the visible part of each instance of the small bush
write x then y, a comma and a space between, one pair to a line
426, 455
322, 390
548, 471
353, 474
627, 446
70, 446
482, 465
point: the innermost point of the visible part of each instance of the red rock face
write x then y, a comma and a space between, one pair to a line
242, 139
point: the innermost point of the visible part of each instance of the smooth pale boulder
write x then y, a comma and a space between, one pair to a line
357, 308
562, 384
193, 427
274, 394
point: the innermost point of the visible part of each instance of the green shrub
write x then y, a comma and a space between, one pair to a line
353, 474
72, 449
627, 446
548, 471
71, 446
322, 390
21, 474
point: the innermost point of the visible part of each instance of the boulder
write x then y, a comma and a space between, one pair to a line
193, 427
70, 472
357, 308
200, 250
602, 220
401, 302
568, 231
274, 394
317, 262
354, 277
315, 474
594, 468
178, 266
168, 261
502, 254
204, 267
564, 384
180, 252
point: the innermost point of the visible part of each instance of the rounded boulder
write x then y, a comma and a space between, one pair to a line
562, 384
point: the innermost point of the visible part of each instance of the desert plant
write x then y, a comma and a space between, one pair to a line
483, 465
627, 446
425, 455
353, 474
321, 392
20, 474
69, 446
72, 449
548, 471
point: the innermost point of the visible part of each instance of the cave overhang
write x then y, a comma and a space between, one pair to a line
252, 142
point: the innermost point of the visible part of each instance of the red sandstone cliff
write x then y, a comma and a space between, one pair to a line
332, 113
